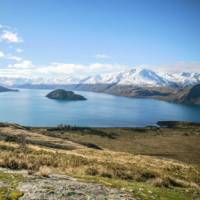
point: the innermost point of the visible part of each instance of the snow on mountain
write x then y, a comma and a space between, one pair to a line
182, 79
111, 78
136, 77
145, 77
142, 77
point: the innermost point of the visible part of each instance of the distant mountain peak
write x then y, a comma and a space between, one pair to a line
135, 76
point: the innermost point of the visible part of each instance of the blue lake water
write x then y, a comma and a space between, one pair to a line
31, 107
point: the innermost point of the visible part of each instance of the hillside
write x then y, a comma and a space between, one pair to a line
124, 163
193, 95
4, 89
189, 95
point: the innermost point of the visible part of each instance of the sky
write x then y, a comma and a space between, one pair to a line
85, 37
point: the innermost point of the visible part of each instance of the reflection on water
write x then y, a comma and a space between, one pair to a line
31, 107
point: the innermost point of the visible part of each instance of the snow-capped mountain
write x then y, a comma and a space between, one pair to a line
129, 77
182, 79
134, 77
144, 77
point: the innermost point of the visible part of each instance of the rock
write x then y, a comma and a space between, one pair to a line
61, 94
63, 187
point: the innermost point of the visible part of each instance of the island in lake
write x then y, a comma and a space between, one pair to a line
61, 94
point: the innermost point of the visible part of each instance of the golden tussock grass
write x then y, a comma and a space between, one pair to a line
124, 166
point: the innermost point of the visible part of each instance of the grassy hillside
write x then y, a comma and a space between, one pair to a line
150, 163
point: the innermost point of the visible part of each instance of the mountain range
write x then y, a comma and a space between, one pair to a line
133, 77
142, 83
145, 77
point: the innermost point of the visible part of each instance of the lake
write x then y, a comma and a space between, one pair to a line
31, 107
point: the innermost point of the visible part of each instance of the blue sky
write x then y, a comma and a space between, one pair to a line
111, 33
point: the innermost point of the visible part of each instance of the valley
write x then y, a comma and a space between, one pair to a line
99, 100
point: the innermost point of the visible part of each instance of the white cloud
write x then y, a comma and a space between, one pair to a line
62, 68
27, 69
16, 58
1, 54
181, 66
99, 68
102, 56
19, 50
8, 73
78, 70
11, 37
9, 56
24, 64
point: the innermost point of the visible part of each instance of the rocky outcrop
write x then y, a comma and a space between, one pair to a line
63, 187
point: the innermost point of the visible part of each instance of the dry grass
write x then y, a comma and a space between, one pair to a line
44, 171
162, 142
108, 164
159, 142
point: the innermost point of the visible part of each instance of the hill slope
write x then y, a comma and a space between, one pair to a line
189, 95
136, 160
193, 96
4, 89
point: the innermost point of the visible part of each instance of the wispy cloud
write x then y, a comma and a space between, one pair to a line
19, 50
177, 67
26, 69
183, 66
13, 57
9, 57
11, 37
11, 48
1, 54
56, 70
102, 56
24, 64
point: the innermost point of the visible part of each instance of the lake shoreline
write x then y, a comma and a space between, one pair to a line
159, 124
32, 108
